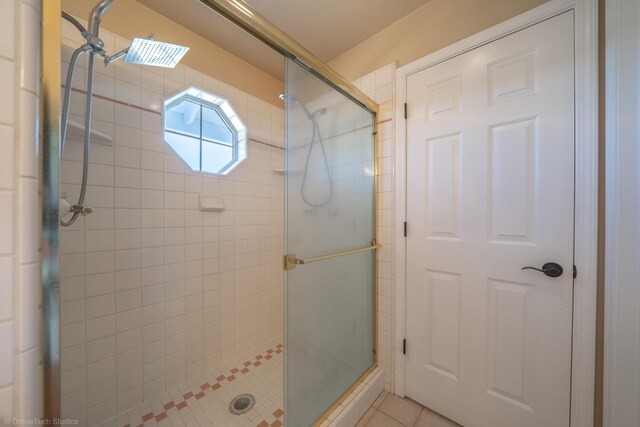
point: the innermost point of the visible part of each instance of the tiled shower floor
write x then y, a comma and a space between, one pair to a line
204, 401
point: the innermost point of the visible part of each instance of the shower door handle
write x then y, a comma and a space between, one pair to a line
290, 260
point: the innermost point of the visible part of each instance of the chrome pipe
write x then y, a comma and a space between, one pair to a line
96, 16
109, 59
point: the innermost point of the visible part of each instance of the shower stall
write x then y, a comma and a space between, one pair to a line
184, 297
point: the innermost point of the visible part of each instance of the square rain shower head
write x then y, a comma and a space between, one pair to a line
155, 53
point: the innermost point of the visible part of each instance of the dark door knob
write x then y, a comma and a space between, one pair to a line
551, 269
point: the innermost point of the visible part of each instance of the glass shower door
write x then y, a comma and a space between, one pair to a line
330, 232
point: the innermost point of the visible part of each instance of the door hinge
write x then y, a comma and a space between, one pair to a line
405, 110
575, 272
405, 229
404, 346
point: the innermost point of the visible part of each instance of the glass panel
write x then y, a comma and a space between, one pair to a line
330, 168
329, 333
186, 147
183, 118
215, 156
214, 128
330, 201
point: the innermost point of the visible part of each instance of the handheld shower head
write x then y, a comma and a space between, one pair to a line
292, 98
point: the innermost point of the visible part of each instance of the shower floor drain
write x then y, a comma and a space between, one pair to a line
242, 404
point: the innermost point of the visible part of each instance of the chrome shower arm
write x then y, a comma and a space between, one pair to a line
109, 59
96, 16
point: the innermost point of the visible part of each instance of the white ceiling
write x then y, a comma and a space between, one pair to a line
326, 28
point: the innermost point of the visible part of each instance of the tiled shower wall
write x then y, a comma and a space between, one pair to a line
153, 290
20, 373
379, 85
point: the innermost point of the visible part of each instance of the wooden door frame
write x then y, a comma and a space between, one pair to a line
586, 191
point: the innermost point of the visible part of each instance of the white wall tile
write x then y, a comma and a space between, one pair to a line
72, 335
128, 361
6, 223
127, 157
95, 240
127, 239
7, 24
101, 327
128, 136
100, 175
128, 73
72, 312
127, 320
127, 116
128, 178
127, 197
7, 150
100, 392
28, 235
127, 92
99, 284
128, 300
100, 349
99, 306
103, 85
99, 262
29, 378
7, 81
6, 290
101, 412
152, 81
6, 402
127, 218
6, 353
29, 297
101, 370
30, 35
152, 160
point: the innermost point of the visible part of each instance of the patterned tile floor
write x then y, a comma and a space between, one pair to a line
204, 401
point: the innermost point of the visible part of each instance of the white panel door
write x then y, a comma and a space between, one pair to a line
490, 171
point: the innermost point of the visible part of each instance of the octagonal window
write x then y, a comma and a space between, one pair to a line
204, 131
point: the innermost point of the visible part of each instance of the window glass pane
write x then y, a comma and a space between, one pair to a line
204, 131
215, 156
183, 118
214, 128
186, 147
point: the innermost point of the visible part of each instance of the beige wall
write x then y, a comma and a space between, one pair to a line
129, 19
433, 26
